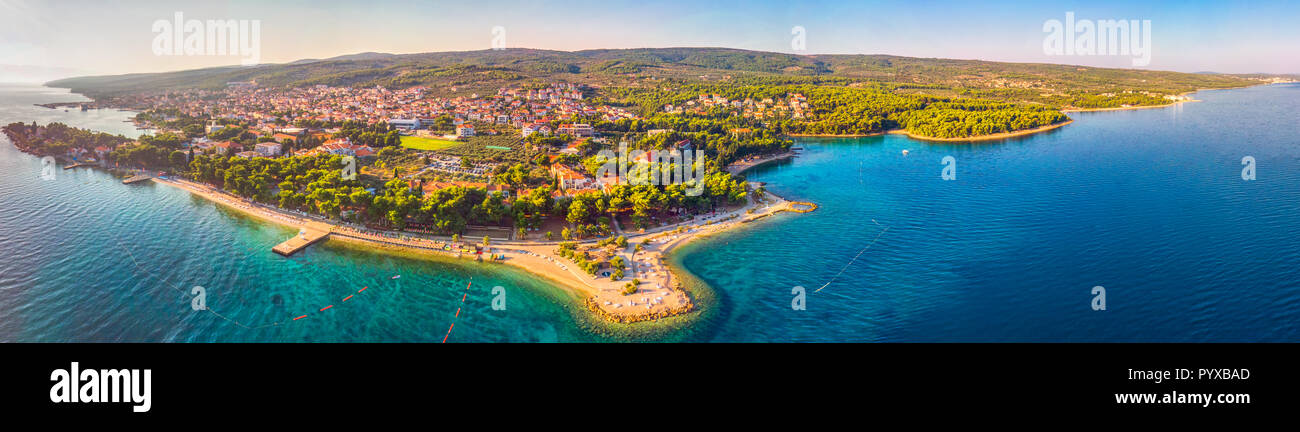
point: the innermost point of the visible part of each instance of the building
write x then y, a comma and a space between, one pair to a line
570, 178
345, 147
267, 149
535, 129
405, 124
465, 130
577, 130
225, 147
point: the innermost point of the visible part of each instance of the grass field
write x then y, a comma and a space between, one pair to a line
422, 143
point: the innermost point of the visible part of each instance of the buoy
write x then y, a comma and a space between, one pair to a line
904, 152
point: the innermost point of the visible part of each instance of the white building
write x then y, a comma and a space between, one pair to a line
268, 149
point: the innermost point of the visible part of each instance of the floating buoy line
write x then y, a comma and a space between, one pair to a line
855, 257
457, 316
140, 269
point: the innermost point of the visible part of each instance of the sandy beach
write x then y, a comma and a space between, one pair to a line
659, 294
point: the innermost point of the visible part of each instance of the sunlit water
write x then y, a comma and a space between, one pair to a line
1149, 204
68, 274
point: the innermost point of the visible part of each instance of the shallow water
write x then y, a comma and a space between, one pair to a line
1149, 204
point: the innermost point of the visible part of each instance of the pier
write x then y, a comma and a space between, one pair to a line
137, 178
308, 234
78, 165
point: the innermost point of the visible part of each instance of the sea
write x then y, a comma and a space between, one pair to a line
1169, 224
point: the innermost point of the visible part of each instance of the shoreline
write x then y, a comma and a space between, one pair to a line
1129, 108
1174, 103
836, 135
742, 166
904, 132
990, 137
1023, 132
660, 294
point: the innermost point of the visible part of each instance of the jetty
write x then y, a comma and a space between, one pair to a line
307, 234
78, 165
137, 178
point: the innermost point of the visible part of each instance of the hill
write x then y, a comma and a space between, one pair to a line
479, 71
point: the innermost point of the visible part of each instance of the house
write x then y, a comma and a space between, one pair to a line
345, 147
535, 129
465, 130
284, 137
577, 130
267, 149
225, 147
570, 178
247, 154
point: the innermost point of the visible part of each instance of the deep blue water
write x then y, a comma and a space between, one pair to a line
1149, 204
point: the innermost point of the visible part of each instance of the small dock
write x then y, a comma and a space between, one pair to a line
137, 179
308, 234
79, 165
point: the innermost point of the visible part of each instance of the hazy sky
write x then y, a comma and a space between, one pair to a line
104, 36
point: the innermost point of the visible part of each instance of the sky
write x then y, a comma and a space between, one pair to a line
48, 39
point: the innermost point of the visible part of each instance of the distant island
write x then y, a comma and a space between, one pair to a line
504, 155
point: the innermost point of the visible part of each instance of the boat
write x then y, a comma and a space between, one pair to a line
904, 152
395, 276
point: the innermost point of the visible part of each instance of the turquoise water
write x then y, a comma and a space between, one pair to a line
68, 274
1149, 204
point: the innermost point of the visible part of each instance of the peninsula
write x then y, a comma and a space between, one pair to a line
505, 155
